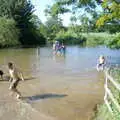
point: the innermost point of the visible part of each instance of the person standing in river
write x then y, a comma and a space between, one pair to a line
15, 76
101, 63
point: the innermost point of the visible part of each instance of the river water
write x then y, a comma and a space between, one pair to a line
64, 87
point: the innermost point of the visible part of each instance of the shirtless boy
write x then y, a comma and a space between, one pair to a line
15, 76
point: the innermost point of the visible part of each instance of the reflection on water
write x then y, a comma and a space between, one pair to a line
71, 79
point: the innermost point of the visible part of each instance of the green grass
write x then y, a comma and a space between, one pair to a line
102, 112
94, 39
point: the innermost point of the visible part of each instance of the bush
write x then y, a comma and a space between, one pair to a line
70, 37
8, 33
115, 42
94, 39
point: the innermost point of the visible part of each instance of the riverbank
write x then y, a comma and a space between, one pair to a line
102, 110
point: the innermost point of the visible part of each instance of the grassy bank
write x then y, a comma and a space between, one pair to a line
94, 39
102, 111
88, 39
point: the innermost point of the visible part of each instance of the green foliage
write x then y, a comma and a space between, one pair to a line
70, 37
102, 111
52, 26
94, 39
56, 9
8, 32
22, 12
29, 32
115, 42
111, 12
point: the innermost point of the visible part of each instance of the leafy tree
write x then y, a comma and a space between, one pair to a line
22, 12
53, 25
111, 11
55, 10
8, 32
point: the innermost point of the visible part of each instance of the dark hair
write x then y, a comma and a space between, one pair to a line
10, 65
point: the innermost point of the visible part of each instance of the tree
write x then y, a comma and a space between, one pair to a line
111, 12
22, 12
53, 25
8, 32
111, 8
55, 10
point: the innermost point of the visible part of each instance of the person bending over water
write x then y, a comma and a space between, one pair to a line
101, 63
15, 76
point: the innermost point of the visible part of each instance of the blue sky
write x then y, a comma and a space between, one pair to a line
40, 5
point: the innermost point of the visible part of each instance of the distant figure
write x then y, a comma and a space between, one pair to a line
56, 47
1, 74
101, 63
62, 49
15, 76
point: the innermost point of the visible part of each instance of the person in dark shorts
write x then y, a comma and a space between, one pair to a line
15, 76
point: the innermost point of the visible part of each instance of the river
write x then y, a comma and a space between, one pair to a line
56, 87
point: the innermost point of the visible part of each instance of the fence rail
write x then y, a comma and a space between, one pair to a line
108, 93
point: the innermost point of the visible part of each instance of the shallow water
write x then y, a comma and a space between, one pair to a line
57, 87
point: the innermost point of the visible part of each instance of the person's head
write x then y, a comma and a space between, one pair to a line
102, 57
10, 65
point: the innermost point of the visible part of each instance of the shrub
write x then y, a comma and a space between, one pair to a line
8, 33
94, 39
70, 37
115, 42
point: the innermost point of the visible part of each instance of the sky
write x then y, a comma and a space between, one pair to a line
40, 5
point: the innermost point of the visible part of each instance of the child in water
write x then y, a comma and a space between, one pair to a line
15, 76
101, 64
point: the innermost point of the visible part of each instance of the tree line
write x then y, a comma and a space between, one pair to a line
94, 16
20, 26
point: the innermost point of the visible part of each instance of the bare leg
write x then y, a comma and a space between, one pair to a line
17, 92
13, 87
1, 77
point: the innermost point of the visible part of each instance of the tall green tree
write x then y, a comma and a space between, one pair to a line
54, 22
8, 33
53, 25
22, 12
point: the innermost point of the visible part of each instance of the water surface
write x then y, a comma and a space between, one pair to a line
62, 87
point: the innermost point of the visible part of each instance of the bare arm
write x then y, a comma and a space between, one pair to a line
21, 76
